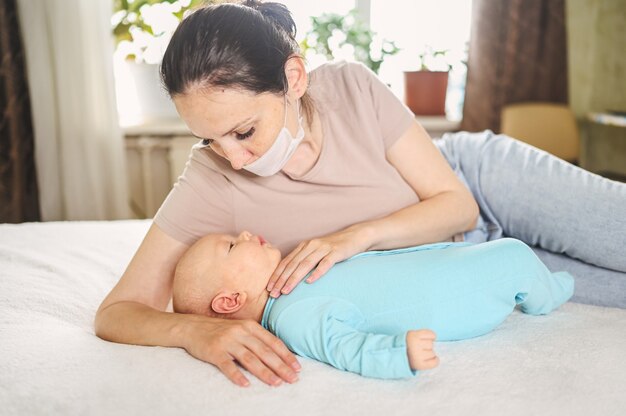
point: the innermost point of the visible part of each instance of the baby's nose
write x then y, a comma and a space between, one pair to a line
245, 235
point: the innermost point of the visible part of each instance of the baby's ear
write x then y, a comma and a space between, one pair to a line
228, 302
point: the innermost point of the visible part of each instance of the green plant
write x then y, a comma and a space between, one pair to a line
434, 60
331, 32
127, 14
139, 25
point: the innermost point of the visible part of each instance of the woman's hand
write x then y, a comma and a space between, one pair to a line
319, 254
221, 342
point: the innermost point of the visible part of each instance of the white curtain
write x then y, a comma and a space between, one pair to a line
79, 146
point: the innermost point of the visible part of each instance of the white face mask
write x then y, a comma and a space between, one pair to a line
281, 151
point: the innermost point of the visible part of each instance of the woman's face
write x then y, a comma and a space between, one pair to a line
240, 125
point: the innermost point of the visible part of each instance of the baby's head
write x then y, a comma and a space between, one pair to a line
225, 276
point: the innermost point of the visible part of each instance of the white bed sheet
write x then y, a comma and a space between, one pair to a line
54, 275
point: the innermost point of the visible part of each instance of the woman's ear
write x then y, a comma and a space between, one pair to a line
228, 302
297, 77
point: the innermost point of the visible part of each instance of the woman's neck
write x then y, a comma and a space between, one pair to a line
307, 153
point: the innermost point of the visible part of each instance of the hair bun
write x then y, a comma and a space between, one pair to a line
277, 13
252, 3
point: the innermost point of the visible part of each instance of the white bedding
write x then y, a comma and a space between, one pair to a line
54, 275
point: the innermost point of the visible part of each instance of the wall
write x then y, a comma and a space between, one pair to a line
154, 164
597, 77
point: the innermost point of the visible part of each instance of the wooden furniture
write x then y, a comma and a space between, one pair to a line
605, 144
550, 127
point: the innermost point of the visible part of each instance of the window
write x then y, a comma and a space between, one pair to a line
303, 10
440, 25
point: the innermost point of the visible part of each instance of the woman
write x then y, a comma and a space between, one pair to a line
326, 165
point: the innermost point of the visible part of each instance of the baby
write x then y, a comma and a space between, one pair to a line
364, 314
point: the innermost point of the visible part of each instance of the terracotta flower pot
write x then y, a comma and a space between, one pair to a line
425, 92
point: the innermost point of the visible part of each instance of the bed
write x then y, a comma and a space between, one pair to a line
54, 275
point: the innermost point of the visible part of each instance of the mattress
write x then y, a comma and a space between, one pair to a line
53, 277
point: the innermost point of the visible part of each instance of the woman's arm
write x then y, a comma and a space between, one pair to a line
446, 208
134, 313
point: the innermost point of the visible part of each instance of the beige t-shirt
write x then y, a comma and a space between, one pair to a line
351, 182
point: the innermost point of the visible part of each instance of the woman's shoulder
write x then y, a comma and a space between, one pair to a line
333, 80
337, 68
343, 72
204, 172
202, 159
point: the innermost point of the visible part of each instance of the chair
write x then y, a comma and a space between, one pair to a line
550, 127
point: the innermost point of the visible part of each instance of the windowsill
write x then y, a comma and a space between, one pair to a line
157, 127
437, 126
608, 119
440, 123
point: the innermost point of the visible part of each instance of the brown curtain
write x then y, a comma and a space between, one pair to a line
19, 195
517, 53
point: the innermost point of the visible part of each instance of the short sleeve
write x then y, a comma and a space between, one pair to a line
394, 118
199, 203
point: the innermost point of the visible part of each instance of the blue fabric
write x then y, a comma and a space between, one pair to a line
356, 317
531, 195
575, 220
594, 285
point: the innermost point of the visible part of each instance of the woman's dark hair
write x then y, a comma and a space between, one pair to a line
243, 45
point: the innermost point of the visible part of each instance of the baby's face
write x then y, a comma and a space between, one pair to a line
247, 254
220, 262
246, 259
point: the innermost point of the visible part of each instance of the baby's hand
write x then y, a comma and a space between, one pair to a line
419, 345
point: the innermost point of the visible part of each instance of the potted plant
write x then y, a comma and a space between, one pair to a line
142, 30
425, 89
335, 36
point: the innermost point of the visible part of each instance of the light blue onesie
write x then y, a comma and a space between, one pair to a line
356, 317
